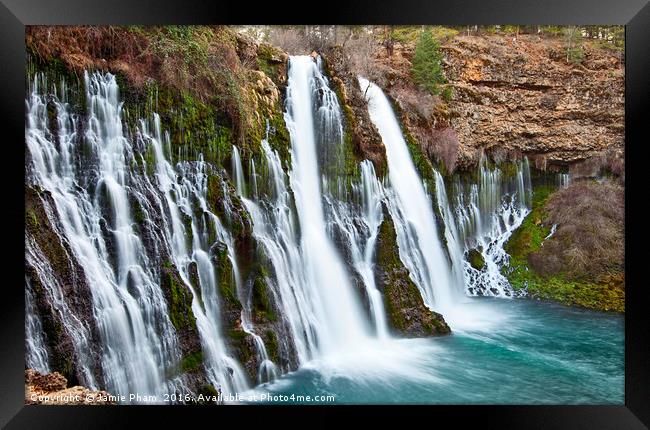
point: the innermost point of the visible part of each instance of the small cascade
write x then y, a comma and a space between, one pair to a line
358, 220
486, 215
185, 197
454, 243
238, 171
267, 370
564, 179
37, 356
411, 208
275, 229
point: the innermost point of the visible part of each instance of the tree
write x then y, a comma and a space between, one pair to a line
427, 68
573, 37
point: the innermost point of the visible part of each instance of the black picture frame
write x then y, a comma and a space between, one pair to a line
634, 14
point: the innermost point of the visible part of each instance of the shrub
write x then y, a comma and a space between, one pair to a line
589, 240
443, 146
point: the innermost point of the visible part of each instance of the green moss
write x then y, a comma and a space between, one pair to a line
560, 288
531, 233
402, 299
209, 392
32, 218
262, 305
268, 61
180, 302
215, 195
271, 343
239, 343
528, 238
192, 362
508, 169
476, 259
226, 278
279, 138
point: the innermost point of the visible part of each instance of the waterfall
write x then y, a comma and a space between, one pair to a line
185, 197
486, 215
268, 369
294, 220
37, 356
411, 209
341, 324
452, 235
360, 229
139, 342
275, 229
329, 311
96, 186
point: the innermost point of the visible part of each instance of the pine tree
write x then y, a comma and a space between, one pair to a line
427, 69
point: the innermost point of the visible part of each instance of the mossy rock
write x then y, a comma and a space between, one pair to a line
272, 346
192, 362
262, 306
179, 299
476, 259
407, 314
225, 275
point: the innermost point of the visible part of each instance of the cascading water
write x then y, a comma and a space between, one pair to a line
452, 238
338, 312
186, 198
37, 356
124, 216
275, 230
486, 215
359, 224
94, 190
411, 209
313, 284
128, 306
268, 370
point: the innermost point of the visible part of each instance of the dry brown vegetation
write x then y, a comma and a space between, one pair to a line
609, 161
198, 60
589, 240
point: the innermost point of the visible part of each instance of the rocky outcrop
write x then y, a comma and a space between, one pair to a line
519, 95
366, 139
52, 389
405, 309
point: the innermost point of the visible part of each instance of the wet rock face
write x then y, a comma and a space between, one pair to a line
70, 276
407, 314
365, 136
520, 94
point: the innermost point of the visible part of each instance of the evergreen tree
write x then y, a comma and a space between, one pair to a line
427, 68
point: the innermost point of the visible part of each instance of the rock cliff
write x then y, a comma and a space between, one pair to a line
519, 94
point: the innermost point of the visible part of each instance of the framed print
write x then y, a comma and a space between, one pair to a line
383, 210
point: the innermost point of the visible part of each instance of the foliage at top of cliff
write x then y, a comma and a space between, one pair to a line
211, 64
